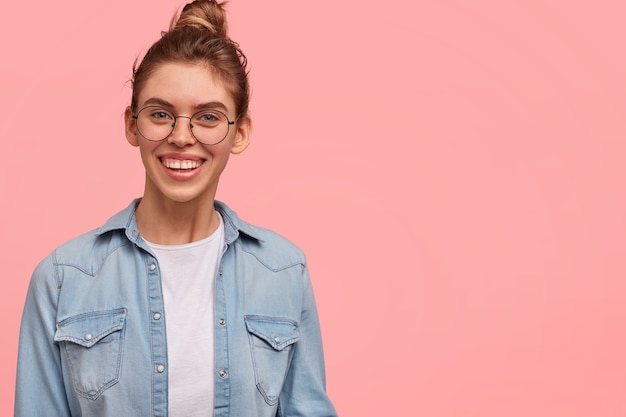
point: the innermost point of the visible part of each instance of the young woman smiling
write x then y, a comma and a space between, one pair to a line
175, 306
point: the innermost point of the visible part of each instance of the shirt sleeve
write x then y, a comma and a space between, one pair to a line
304, 390
40, 389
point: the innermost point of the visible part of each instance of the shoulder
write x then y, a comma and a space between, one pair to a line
270, 248
273, 249
89, 251
83, 253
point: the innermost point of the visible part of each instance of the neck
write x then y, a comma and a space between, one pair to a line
167, 222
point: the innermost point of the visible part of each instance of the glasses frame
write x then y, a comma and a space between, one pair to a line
229, 124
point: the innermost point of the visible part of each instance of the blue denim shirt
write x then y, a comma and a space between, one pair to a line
93, 334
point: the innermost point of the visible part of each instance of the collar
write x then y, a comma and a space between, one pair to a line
233, 225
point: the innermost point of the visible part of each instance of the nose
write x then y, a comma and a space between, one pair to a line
181, 133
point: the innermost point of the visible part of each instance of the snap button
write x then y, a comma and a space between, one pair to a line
160, 369
156, 316
222, 322
152, 267
88, 337
223, 374
277, 339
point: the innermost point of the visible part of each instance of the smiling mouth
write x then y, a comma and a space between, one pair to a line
181, 164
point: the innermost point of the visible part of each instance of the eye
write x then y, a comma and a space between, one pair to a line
160, 115
208, 118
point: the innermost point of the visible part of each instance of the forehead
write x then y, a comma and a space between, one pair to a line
185, 86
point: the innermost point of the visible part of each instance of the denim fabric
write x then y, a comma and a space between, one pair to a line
93, 334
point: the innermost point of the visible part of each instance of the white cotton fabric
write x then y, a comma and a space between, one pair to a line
188, 278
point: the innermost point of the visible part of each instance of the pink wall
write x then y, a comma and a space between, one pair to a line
454, 170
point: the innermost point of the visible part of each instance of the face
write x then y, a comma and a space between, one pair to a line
180, 169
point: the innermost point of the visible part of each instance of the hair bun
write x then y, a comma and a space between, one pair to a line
203, 14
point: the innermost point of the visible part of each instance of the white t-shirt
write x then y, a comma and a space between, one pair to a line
188, 278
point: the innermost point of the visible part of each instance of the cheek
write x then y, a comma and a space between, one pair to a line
146, 148
220, 150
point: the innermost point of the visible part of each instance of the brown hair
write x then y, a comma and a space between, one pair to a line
199, 36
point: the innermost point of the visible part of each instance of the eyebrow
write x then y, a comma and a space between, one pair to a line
201, 106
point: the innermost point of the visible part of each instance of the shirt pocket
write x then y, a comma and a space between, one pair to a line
92, 344
271, 342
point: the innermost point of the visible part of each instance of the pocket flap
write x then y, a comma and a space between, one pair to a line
278, 332
88, 328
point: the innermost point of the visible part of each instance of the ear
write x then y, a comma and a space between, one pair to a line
130, 127
242, 135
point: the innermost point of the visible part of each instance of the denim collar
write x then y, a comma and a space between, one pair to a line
126, 220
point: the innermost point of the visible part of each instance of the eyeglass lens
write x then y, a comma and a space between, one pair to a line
207, 126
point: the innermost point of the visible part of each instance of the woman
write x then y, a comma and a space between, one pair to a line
175, 306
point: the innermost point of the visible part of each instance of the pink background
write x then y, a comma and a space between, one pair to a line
454, 171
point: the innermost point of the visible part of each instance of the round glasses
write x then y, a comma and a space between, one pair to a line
209, 127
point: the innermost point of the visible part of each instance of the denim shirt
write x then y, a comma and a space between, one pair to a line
93, 333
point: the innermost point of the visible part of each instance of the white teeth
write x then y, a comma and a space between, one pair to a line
178, 164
